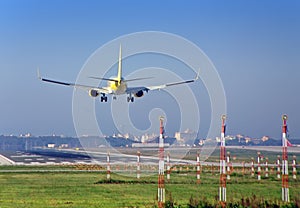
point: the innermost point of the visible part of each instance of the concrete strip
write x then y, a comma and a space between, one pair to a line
6, 161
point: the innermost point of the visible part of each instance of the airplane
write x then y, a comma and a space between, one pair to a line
117, 85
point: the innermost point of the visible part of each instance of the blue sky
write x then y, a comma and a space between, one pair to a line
254, 45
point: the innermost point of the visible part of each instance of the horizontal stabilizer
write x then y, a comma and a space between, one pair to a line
136, 79
116, 80
106, 79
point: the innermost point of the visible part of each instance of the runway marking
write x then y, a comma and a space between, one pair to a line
28, 159
40, 159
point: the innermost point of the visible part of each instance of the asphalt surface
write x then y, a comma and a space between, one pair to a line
55, 156
40, 157
69, 156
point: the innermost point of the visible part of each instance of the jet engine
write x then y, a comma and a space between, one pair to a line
139, 93
93, 93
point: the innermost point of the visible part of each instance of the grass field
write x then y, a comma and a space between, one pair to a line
66, 186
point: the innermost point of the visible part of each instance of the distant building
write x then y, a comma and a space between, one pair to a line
186, 137
147, 137
64, 146
201, 142
27, 135
265, 138
148, 145
50, 145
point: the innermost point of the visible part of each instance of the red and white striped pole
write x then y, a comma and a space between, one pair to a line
278, 166
108, 166
222, 188
228, 166
267, 168
198, 168
258, 166
294, 167
161, 180
138, 166
168, 166
285, 170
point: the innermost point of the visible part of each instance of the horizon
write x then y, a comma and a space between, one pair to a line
119, 135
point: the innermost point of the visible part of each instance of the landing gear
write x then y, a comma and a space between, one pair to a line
103, 98
130, 99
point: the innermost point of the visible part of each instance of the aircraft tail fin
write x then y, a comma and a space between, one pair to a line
120, 65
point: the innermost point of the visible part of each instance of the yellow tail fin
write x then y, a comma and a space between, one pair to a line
120, 66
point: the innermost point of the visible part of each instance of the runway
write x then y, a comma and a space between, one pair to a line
99, 156
266, 148
43, 157
69, 156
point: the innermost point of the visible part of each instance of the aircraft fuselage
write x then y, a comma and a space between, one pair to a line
118, 88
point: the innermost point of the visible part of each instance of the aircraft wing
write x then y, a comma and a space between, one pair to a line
158, 87
86, 87
132, 90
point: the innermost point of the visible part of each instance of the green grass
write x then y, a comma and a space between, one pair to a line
90, 189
